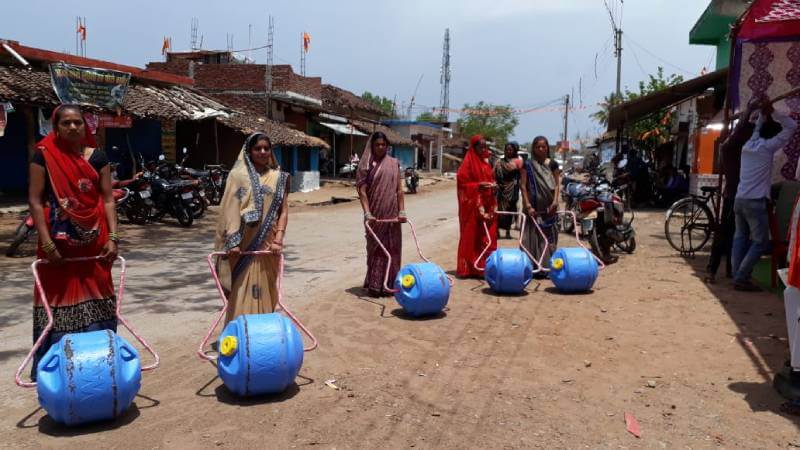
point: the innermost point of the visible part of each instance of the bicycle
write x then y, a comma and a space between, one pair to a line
690, 221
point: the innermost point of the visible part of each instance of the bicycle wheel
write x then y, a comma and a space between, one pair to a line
688, 225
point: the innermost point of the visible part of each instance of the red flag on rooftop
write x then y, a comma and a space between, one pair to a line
306, 41
82, 31
167, 45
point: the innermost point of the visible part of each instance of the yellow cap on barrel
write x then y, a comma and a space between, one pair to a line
408, 281
228, 346
558, 264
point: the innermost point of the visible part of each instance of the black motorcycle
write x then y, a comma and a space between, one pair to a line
138, 205
169, 197
215, 184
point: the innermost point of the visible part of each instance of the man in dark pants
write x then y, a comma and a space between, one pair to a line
731, 152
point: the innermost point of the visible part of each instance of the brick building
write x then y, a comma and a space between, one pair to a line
294, 99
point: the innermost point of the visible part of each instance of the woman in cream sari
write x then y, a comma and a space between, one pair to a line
253, 216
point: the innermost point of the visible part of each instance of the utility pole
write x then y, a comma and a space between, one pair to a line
566, 122
616, 27
618, 40
268, 74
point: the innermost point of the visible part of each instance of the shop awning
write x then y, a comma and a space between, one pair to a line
342, 128
634, 110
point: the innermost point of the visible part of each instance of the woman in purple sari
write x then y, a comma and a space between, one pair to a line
380, 188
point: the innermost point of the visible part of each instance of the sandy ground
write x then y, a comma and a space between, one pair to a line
692, 362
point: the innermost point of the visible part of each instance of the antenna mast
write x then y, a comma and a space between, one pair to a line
444, 98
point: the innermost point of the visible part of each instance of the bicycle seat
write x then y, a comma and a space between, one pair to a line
708, 189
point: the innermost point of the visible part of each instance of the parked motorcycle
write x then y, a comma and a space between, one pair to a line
604, 222
23, 232
412, 180
215, 184
171, 198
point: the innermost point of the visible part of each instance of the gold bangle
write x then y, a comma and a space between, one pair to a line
49, 247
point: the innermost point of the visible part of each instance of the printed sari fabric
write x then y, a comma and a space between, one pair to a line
507, 174
250, 208
381, 178
541, 192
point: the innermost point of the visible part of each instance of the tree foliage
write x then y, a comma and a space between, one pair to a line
385, 104
652, 130
494, 122
427, 116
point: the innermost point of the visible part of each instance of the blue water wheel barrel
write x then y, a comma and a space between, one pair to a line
508, 271
88, 377
259, 354
423, 289
573, 269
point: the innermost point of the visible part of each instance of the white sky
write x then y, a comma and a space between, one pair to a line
519, 52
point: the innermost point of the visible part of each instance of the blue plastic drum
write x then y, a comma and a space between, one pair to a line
87, 377
573, 269
423, 289
259, 354
508, 271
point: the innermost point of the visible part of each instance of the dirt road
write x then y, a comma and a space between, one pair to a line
691, 362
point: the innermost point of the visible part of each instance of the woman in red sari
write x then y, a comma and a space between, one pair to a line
380, 189
477, 203
70, 198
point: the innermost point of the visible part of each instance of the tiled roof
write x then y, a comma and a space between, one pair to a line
278, 133
18, 85
394, 137
456, 142
47, 56
160, 102
346, 103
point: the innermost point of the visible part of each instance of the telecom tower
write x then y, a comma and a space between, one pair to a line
193, 37
268, 74
444, 99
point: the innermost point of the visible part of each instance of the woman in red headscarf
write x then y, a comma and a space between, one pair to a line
477, 203
72, 205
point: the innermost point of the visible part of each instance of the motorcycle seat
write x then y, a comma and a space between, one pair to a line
197, 173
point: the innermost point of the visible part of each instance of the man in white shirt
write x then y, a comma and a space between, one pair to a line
773, 131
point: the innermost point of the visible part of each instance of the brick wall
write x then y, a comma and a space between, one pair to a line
178, 67
243, 77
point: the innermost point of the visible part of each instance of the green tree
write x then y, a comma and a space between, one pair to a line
654, 129
427, 116
384, 104
601, 116
493, 122
649, 131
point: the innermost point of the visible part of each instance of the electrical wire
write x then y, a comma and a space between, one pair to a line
636, 58
629, 39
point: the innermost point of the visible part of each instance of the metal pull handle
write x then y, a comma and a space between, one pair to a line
521, 235
211, 259
38, 285
389, 256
